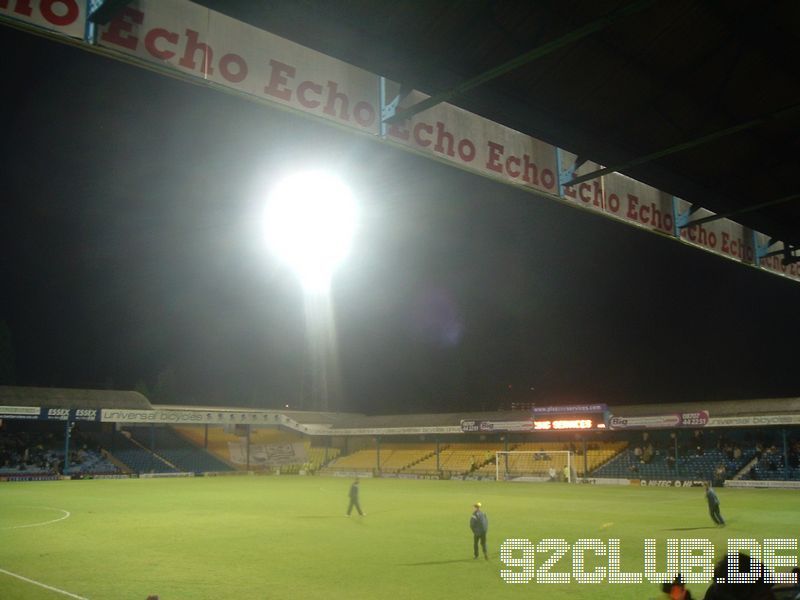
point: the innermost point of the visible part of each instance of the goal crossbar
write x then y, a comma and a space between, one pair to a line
535, 465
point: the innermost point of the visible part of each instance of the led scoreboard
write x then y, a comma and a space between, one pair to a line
579, 417
563, 424
574, 417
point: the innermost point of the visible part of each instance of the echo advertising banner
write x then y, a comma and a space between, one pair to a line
618, 196
476, 144
178, 36
67, 17
202, 43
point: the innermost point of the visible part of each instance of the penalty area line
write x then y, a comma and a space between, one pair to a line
44, 585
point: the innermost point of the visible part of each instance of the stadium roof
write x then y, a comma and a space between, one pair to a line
725, 408
99, 399
652, 76
306, 417
72, 398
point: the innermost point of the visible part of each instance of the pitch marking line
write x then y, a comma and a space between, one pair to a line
44, 585
61, 510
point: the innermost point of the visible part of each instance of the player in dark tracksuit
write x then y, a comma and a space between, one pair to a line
479, 524
354, 499
713, 504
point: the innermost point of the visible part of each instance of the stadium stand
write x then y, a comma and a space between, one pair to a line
457, 458
319, 457
360, 460
177, 450
41, 452
88, 462
315, 460
397, 457
703, 466
768, 462
721, 453
138, 458
218, 439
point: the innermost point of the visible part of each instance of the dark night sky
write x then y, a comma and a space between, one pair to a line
130, 246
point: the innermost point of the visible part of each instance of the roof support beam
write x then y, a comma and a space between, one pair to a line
710, 137
523, 59
102, 11
741, 211
775, 253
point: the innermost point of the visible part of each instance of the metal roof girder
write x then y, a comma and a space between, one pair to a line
746, 209
689, 144
523, 59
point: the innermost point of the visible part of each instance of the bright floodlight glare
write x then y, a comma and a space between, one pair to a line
310, 221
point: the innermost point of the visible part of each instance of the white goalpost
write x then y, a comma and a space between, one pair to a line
535, 465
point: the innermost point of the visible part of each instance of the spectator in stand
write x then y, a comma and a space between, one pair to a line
698, 443
719, 474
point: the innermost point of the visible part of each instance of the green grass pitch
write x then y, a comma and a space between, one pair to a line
287, 537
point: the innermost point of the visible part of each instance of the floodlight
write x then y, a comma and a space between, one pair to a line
310, 220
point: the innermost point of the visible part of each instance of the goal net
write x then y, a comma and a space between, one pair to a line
531, 465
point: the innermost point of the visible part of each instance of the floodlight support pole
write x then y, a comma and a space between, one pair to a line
585, 458
67, 431
152, 447
205, 437
247, 450
437, 454
785, 454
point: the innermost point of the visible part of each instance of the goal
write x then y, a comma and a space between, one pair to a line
535, 465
